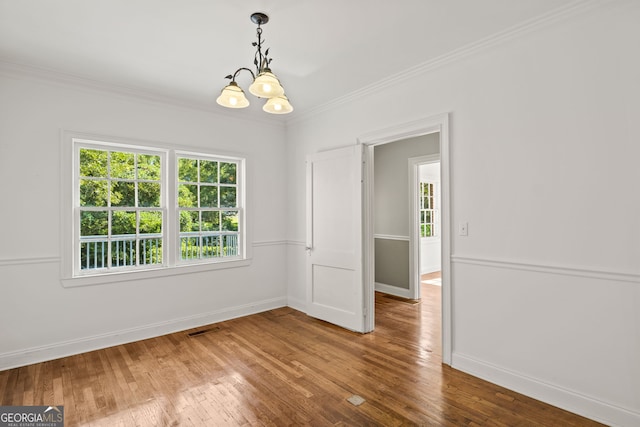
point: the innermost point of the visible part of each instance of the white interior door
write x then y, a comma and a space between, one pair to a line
335, 287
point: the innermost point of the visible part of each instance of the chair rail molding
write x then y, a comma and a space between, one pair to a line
576, 271
391, 237
29, 260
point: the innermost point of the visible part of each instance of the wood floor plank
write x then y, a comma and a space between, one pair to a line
277, 368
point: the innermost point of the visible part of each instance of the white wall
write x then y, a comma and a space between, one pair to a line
544, 153
546, 287
39, 318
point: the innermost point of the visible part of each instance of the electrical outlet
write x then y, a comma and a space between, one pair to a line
463, 229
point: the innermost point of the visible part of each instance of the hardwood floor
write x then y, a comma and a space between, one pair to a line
280, 368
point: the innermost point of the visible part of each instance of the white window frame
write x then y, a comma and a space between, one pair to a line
108, 146
240, 205
69, 229
434, 209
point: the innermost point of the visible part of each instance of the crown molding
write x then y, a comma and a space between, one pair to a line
559, 14
22, 71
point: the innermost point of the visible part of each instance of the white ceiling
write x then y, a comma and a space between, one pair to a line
183, 49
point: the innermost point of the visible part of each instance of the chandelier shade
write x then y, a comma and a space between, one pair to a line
264, 85
278, 105
232, 96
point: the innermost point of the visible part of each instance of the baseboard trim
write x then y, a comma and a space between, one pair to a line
297, 304
431, 269
68, 348
569, 400
393, 290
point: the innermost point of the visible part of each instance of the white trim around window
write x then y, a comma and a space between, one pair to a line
172, 263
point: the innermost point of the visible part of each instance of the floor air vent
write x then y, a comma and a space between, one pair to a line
356, 400
202, 332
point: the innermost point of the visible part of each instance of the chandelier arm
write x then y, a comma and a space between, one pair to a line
233, 77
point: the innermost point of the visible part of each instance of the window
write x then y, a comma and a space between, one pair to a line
428, 211
139, 209
208, 208
120, 209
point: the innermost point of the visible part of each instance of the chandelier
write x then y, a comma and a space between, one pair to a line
265, 83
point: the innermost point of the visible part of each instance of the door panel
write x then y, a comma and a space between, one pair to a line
334, 237
329, 288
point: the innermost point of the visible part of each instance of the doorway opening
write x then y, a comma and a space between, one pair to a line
430, 256
407, 238
375, 240
425, 208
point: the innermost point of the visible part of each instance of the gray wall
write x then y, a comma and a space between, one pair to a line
392, 262
392, 216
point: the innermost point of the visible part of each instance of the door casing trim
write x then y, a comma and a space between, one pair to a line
434, 124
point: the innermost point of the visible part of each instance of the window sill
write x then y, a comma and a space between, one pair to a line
129, 276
